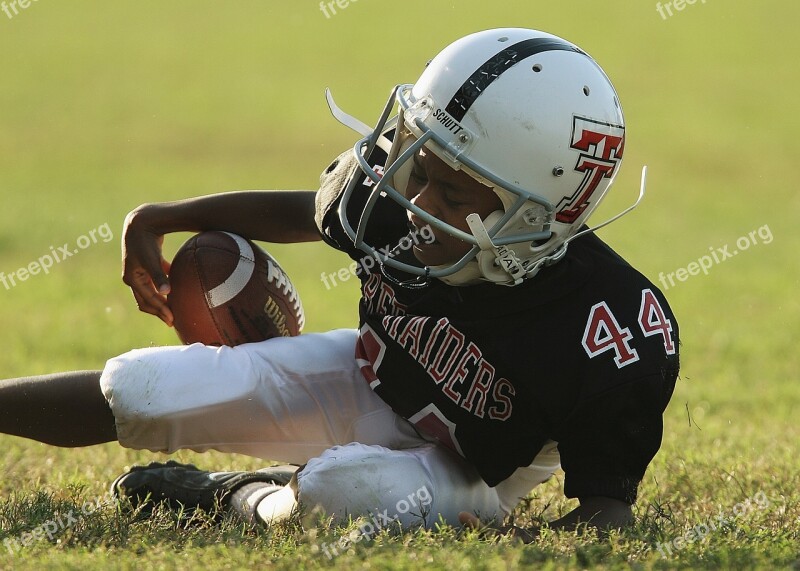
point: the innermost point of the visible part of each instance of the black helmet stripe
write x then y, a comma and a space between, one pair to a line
495, 66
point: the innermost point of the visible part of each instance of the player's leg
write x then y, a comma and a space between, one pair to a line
418, 486
422, 485
292, 400
63, 409
285, 399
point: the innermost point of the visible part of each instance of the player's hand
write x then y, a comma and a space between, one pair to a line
144, 267
471, 521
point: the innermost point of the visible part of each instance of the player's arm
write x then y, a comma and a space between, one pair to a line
270, 216
598, 512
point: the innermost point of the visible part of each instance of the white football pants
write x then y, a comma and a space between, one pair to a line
303, 400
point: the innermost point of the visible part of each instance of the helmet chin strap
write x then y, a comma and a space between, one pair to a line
505, 257
508, 260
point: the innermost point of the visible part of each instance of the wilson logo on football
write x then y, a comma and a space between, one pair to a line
601, 146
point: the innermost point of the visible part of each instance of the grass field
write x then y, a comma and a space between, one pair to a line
105, 105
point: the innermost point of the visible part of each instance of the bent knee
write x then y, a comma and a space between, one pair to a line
359, 480
164, 381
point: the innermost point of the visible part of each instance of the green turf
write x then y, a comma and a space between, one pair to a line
105, 105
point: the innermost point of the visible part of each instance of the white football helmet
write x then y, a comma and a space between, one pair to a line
524, 112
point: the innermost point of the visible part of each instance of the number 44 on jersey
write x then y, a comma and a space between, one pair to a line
604, 333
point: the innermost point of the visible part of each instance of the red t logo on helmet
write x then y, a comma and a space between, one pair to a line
601, 146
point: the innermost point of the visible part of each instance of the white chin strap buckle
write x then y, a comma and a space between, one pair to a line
505, 257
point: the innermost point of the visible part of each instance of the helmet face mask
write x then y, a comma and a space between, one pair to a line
523, 112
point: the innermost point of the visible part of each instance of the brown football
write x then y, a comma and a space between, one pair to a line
226, 290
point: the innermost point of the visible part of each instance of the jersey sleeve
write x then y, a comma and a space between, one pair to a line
332, 183
606, 443
388, 221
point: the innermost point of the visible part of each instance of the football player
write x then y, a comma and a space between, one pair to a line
514, 343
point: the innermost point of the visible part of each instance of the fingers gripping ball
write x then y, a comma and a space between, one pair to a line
226, 290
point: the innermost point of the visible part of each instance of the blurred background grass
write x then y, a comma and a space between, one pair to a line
106, 105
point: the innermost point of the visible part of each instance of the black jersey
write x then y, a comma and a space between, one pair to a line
585, 353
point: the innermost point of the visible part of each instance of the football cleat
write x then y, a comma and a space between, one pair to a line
183, 486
